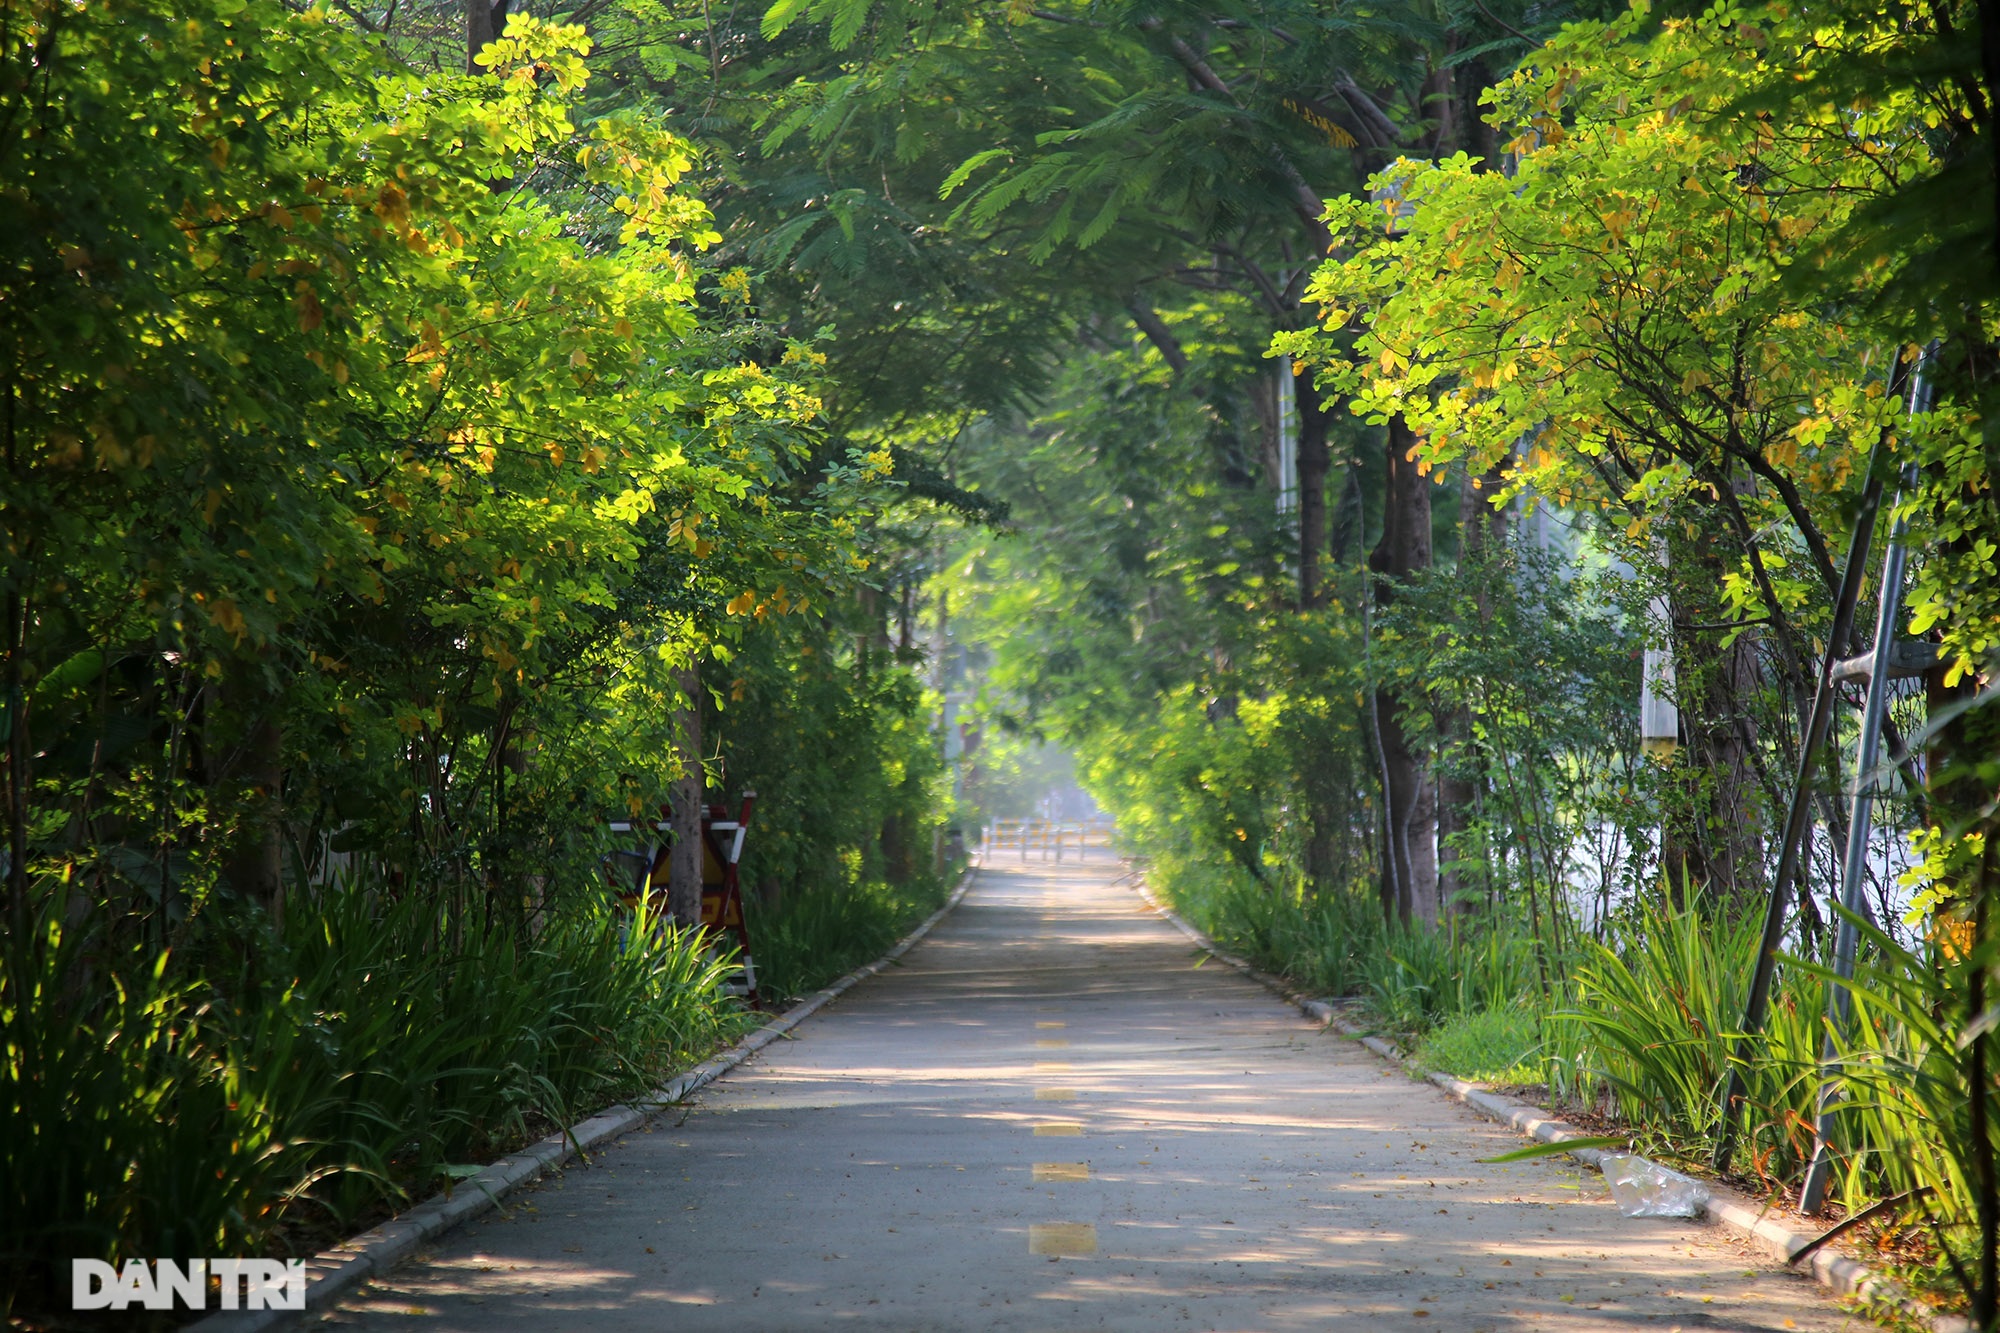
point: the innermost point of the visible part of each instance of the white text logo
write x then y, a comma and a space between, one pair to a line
246, 1284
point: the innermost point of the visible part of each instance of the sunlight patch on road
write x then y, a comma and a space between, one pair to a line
1073, 1240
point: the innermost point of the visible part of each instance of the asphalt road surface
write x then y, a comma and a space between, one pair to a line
1053, 1115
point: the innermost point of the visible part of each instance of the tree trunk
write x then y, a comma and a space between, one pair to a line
256, 867
1410, 798
871, 641
1714, 836
1347, 515
484, 21
1475, 135
684, 862
1319, 849
243, 748
16, 724
511, 860
1314, 460
898, 856
1481, 531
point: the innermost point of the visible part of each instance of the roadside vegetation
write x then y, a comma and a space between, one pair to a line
396, 491
1407, 458
1489, 718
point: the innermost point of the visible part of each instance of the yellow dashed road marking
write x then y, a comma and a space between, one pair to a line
1052, 1044
1052, 1066
1045, 1023
1062, 1171
1055, 1094
1074, 1239
1059, 1129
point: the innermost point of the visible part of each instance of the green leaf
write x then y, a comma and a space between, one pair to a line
1535, 1150
963, 172
780, 17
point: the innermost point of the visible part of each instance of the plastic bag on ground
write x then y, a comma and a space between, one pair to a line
1646, 1189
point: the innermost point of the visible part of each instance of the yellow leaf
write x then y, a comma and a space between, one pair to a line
226, 617
391, 204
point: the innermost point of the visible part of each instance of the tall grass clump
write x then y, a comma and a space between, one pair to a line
1335, 942
1658, 1000
1319, 941
128, 1119
1418, 976
456, 1027
1653, 1015
1904, 1125
809, 939
1649, 1019
262, 1091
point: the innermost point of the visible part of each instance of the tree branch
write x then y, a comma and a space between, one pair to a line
1238, 25
1262, 280
1305, 201
1499, 22
1373, 119
1158, 334
1052, 17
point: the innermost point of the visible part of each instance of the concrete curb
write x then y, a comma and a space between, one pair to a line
333, 1273
1836, 1272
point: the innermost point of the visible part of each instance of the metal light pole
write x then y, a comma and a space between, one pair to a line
1799, 814
1854, 864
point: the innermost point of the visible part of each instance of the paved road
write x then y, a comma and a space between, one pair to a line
1053, 1116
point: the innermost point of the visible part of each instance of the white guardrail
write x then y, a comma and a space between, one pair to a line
1049, 837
